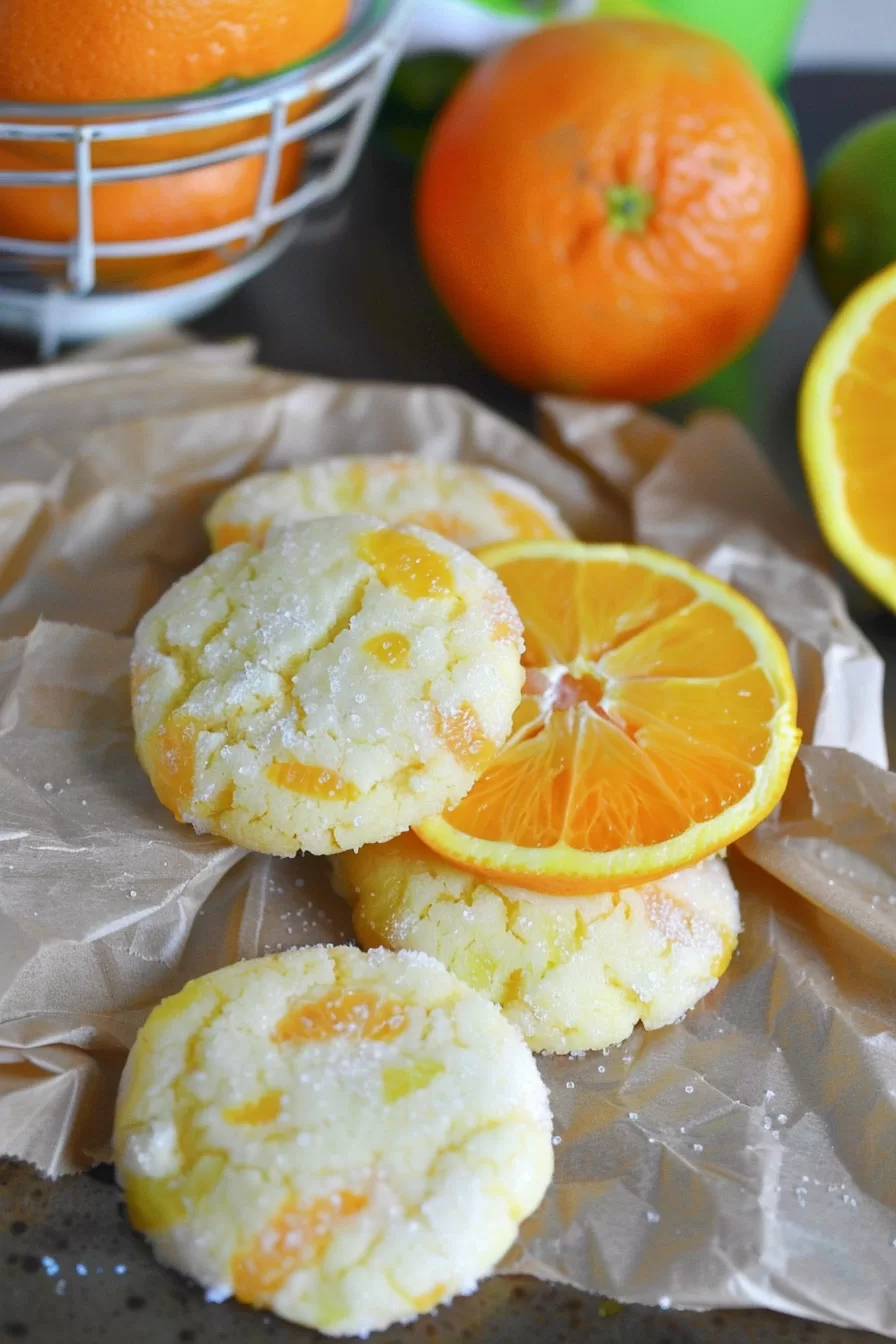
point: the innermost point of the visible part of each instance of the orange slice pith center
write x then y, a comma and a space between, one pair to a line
863, 408
645, 711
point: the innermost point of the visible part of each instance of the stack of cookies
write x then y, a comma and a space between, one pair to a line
525, 756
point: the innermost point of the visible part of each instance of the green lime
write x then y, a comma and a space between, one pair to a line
522, 9
854, 208
420, 86
543, 11
625, 9
422, 83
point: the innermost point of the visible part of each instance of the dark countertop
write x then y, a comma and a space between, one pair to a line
354, 304
121, 1294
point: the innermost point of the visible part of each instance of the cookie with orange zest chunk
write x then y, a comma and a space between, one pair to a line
657, 725
327, 691
346, 1139
473, 506
572, 972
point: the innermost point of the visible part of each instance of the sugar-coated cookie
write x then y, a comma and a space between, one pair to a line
330, 690
473, 506
573, 972
348, 1139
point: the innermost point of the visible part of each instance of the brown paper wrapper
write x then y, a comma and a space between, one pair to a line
743, 1157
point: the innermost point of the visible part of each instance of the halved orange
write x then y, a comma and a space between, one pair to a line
658, 723
847, 410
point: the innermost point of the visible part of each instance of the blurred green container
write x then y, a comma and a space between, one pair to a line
761, 30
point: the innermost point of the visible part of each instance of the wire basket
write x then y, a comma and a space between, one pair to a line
49, 290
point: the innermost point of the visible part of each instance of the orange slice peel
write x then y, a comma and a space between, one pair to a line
657, 724
847, 407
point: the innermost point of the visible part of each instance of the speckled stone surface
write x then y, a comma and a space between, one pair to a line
74, 1272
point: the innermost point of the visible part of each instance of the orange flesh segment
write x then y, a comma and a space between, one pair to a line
565, 617
311, 780
354, 1014
351, 491
295, 1239
525, 521
140, 674
405, 562
175, 765
400, 1080
644, 712
863, 411
461, 733
679, 922
229, 533
503, 619
427, 1301
445, 524
262, 1111
391, 649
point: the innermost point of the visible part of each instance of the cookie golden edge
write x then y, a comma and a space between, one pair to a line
378, 701
391, 1175
471, 504
572, 973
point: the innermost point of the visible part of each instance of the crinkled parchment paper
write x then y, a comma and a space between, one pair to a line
746, 1156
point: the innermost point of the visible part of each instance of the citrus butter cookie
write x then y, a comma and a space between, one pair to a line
470, 505
331, 689
573, 972
348, 1139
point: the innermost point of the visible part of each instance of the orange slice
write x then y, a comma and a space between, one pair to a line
847, 409
658, 723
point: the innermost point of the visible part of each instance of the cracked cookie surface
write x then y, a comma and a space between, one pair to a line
473, 506
573, 973
348, 1139
328, 691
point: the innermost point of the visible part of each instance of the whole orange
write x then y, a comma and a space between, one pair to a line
81, 51
150, 208
611, 208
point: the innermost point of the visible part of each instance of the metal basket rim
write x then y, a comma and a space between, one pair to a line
322, 68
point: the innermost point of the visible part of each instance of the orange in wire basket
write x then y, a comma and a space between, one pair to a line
657, 725
155, 207
86, 51
89, 51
